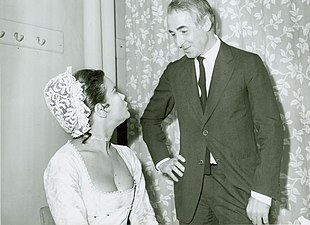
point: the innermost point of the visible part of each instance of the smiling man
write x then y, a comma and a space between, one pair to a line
226, 109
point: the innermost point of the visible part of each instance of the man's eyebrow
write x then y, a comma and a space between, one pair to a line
179, 28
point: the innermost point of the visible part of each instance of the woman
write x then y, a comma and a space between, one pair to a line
89, 180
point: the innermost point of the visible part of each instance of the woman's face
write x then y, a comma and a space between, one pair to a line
118, 110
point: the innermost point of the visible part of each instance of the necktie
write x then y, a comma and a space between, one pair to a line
202, 83
203, 100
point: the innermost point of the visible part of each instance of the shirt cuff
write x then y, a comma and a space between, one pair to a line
160, 162
260, 197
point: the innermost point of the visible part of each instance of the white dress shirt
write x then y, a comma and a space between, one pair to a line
209, 62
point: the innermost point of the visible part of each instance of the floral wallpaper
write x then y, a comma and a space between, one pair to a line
277, 30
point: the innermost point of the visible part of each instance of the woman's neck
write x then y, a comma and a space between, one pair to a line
102, 143
102, 131
100, 137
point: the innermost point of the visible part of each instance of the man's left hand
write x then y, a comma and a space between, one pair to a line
257, 211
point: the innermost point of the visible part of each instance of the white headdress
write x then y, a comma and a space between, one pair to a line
65, 98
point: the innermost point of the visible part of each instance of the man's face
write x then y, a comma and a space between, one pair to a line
193, 39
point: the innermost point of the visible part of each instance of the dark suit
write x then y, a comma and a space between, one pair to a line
240, 100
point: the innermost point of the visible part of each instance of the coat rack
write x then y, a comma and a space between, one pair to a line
30, 36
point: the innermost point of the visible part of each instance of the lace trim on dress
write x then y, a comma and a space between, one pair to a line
90, 180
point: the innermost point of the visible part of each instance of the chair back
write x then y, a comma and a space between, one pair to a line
46, 216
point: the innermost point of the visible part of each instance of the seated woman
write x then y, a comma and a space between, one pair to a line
89, 180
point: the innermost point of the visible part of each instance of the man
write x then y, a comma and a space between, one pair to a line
230, 129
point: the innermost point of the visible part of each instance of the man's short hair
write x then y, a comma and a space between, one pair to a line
198, 9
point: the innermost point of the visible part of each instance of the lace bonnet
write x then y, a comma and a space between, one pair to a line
65, 98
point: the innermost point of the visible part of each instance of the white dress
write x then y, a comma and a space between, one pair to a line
74, 200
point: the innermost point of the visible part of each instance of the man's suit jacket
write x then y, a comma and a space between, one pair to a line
241, 112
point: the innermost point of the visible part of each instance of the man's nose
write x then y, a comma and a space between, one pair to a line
179, 40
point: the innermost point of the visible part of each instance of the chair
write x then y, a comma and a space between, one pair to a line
46, 216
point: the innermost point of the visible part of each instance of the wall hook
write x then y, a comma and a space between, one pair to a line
18, 37
41, 41
2, 34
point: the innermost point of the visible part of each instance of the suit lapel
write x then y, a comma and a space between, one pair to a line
189, 82
222, 72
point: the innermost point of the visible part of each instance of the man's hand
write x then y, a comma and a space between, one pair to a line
257, 211
172, 166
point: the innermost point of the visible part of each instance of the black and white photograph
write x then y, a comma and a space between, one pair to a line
155, 112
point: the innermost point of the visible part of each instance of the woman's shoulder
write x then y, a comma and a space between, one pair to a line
64, 155
63, 168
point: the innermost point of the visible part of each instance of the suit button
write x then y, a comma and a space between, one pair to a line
205, 132
200, 162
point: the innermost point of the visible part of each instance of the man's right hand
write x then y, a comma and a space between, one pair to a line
172, 167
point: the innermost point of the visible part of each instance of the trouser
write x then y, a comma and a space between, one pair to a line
220, 202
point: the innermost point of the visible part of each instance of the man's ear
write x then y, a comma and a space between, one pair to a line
207, 23
102, 109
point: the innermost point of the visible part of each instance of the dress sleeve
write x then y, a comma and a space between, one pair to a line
63, 192
142, 211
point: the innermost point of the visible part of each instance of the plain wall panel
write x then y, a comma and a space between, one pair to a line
29, 133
